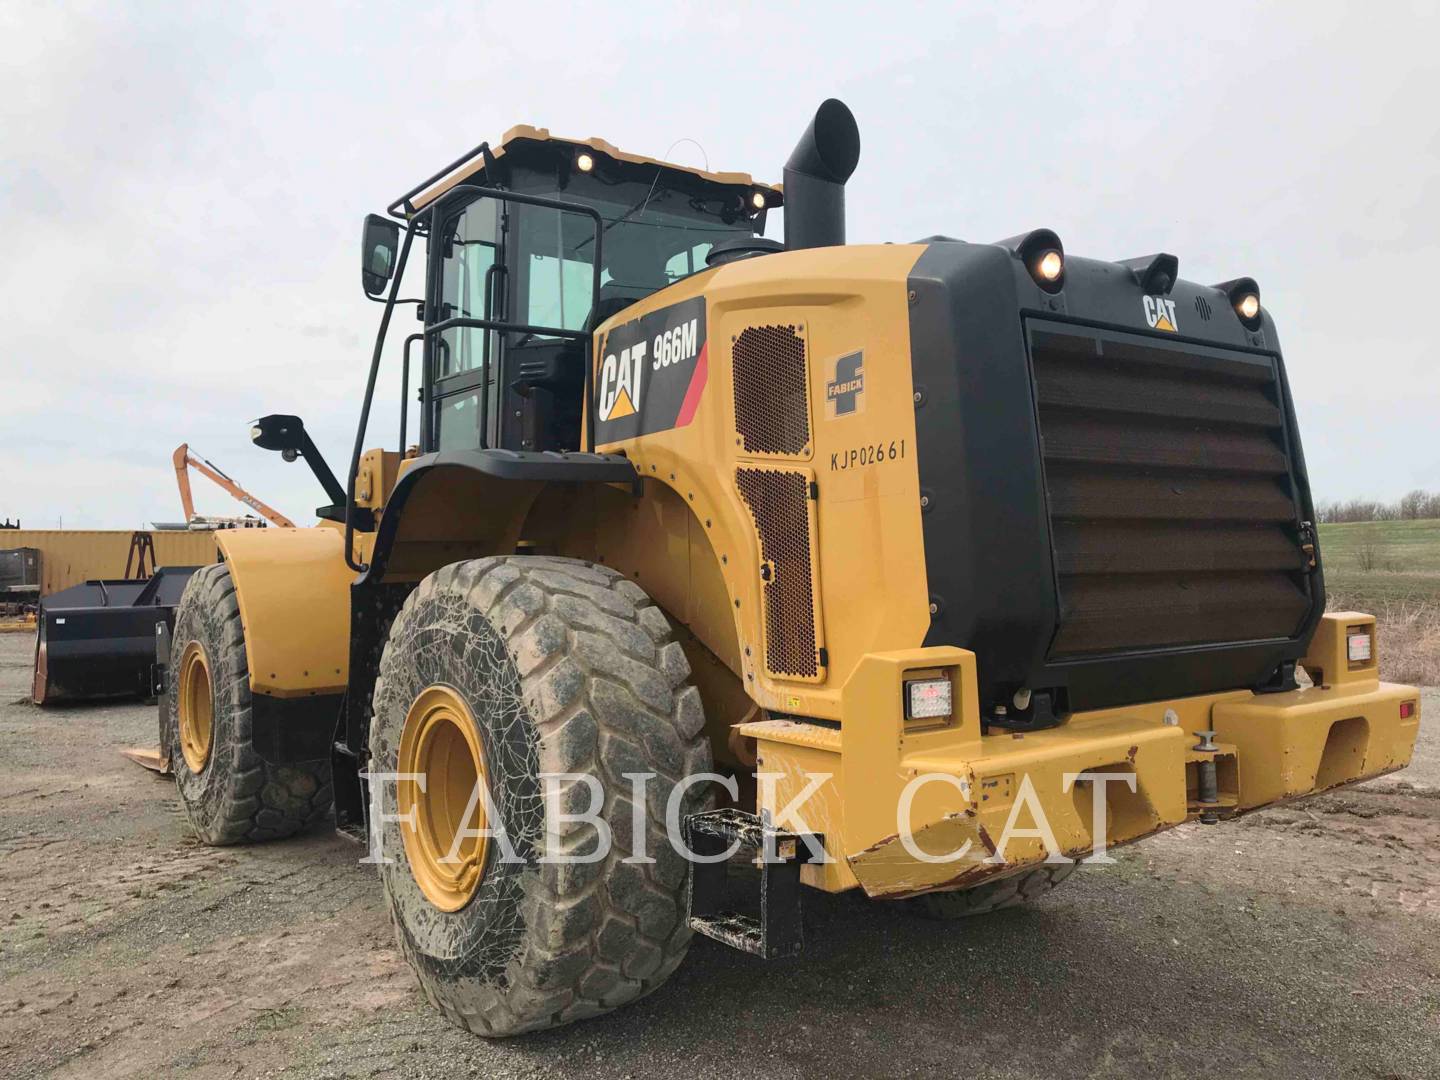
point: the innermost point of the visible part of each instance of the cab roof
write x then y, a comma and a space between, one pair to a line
473, 166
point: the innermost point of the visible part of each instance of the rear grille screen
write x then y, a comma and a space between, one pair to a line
1171, 494
781, 507
772, 408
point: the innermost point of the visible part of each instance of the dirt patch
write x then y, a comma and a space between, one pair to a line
1302, 941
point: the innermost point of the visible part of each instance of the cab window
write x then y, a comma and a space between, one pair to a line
684, 263
470, 254
463, 371
558, 274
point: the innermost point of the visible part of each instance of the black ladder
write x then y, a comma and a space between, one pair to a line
777, 932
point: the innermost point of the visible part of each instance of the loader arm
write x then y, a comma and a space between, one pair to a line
184, 460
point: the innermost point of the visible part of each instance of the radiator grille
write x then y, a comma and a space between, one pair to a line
780, 505
1170, 493
772, 408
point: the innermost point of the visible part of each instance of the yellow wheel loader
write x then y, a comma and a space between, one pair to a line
924, 569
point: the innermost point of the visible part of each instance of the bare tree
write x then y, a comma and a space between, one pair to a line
1415, 505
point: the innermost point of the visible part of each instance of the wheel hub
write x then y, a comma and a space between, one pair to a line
441, 742
196, 707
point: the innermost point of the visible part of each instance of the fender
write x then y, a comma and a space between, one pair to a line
294, 592
447, 506
293, 589
459, 504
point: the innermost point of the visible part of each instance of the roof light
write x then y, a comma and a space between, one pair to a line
1155, 274
757, 200
1244, 297
1043, 255
584, 162
1050, 265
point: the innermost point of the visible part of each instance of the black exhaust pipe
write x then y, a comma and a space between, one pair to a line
815, 178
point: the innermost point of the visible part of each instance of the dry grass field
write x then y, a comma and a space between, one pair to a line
1391, 569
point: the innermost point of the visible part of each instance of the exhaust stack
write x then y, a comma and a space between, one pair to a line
815, 178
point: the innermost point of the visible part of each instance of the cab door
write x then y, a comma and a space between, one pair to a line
467, 269
513, 282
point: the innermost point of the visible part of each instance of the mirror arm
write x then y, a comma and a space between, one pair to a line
350, 507
321, 469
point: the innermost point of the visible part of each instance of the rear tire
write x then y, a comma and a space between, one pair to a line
992, 895
563, 667
231, 795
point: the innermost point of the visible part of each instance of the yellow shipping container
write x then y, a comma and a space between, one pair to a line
71, 556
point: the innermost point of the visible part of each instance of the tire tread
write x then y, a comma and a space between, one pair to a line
607, 691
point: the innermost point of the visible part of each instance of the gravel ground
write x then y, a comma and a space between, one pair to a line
1303, 941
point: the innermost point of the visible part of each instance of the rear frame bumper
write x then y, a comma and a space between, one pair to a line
907, 809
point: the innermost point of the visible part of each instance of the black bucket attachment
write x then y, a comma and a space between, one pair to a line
97, 640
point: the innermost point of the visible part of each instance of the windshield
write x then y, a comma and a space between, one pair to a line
652, 236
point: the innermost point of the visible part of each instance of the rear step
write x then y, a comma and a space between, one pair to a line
776, 933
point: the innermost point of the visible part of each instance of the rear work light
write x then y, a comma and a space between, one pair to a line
1358, 646
927, 699
1050, 266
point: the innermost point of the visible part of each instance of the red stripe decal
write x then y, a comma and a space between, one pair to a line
697, 387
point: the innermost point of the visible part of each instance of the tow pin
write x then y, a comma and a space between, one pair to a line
1209, 783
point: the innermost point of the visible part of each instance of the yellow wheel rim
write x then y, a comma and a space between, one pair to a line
197, 709
441, 743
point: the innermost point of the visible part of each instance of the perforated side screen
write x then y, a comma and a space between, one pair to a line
780, 505
772, 411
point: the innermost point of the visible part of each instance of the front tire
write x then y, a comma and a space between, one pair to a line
553, 666
231, 795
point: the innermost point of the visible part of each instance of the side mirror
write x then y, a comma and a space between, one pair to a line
378, 244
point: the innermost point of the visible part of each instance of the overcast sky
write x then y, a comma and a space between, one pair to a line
181, 191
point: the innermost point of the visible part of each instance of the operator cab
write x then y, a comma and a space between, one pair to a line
513, 290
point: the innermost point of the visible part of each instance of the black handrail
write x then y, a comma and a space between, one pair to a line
405, 386
478, 191
401, 207
464, 322
496, 273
